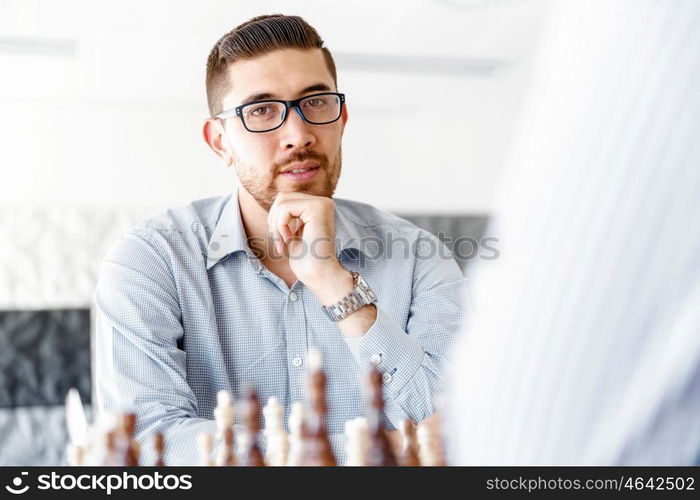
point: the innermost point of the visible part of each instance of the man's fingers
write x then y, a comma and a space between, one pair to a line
283, 220
291, 212
295, 225
286, 212
274, 234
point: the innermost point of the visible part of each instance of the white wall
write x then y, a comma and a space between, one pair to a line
113, 117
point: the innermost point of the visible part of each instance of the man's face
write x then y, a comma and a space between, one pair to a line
261, 158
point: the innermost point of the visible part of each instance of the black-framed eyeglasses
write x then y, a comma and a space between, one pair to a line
270, 114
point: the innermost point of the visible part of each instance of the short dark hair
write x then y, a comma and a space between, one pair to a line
256, 37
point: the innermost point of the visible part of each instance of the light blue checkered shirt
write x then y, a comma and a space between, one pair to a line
184, 309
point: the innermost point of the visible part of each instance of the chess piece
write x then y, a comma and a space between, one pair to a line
380, 452
206, 445
296, 429
277, 442
316, 445
224, 412
358, 439
224, 415
226, 457
250, 452
430, 449
114, 449
124, 437
408, 455
159, 446
78, 429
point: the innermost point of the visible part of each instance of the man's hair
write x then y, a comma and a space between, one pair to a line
257, 37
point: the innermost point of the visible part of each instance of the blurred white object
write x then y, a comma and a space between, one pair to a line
86, 443
585, 345
77, 424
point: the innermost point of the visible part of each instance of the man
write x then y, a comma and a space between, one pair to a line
235, 290
584, 347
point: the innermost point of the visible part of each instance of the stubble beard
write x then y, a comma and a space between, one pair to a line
264, 191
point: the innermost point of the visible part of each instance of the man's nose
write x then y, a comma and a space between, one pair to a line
296, 133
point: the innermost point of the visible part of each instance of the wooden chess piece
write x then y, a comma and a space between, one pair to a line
296, 431
159, 445
112, 454
224, 415
125, 436
78, 429
357, 441
430, 448
317, 447
277, 441
380, 452
226, 457
250, 451
408, 455
206, 445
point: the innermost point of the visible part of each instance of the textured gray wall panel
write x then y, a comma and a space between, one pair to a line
42, 355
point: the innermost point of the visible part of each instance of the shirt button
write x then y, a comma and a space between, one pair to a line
376, 359
297, 362
386, 377
293, 296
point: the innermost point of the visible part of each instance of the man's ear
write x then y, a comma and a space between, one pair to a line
215, 137
343, 118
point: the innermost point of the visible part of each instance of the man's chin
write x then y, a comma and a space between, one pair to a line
311, 187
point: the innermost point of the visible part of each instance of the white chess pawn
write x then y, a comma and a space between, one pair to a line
224, 416
277, 442
296, 424
430, 450
224, 412
78, 429
358, 441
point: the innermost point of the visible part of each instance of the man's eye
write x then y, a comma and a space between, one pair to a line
260, 110
316, 102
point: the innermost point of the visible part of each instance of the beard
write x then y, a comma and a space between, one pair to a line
264, 188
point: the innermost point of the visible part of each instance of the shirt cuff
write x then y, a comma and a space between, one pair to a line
394, 353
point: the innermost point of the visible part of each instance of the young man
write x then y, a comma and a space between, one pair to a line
237, 289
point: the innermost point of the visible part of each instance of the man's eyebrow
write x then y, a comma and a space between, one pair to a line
267, 95
315, 87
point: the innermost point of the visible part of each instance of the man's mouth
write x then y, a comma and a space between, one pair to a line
301, 171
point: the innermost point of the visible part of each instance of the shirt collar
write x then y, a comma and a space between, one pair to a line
347, 236
229, 235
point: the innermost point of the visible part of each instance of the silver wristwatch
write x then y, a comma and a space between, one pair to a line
359, 297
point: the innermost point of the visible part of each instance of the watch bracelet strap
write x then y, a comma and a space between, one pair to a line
359, 297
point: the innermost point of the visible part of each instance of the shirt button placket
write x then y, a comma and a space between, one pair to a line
296, 344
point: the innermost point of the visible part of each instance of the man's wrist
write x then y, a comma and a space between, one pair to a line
333, 286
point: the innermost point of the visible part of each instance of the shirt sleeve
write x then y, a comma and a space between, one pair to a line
139, 355
413, 360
